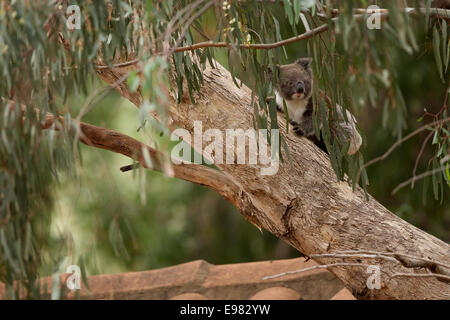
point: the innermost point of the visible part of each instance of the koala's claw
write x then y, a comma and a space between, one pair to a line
297, 130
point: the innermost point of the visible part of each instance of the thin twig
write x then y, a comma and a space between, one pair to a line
390, 256
118, 65
434, 12
175, 22
260, 46
88, 106
420, 176
422, 148
396, 144
396, 255
437, 269
200, 32
268, 46
323, 266
188, 24
353, 255
421, 275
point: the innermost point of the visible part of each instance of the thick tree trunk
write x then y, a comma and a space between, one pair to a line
304, 204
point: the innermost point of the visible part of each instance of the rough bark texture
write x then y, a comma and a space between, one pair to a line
303, 204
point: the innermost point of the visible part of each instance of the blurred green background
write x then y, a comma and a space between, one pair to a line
117, 225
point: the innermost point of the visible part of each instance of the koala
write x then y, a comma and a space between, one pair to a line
294, 87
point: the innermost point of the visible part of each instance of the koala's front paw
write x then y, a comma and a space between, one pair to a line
297, 129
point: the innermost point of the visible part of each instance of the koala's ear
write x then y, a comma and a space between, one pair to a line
270, 72
304, 62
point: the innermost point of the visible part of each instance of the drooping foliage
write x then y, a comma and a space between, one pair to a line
43, 62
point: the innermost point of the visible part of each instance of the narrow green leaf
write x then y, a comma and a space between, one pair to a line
297, 10
444, 39
427, 14
448, 56
133, 81
288, 10
435, 137
437, 52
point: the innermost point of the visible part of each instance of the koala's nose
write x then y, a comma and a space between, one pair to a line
300, 88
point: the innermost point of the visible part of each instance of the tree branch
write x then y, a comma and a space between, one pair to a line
360, 14
418, 177
117, 142
323, 266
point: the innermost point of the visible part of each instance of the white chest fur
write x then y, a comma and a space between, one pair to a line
296, 108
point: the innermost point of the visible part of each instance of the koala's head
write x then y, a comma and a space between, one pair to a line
295, 80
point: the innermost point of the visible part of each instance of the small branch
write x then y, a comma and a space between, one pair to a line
260, 46
123, 144
383, 13
420, 176
177, 20
323, 266
416, 164
395, 145
117, 142
422, 275
434, 12
130, 167
353, 255
212, 44
407, 260
438, 270
200, 32
188, 24
118, 65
